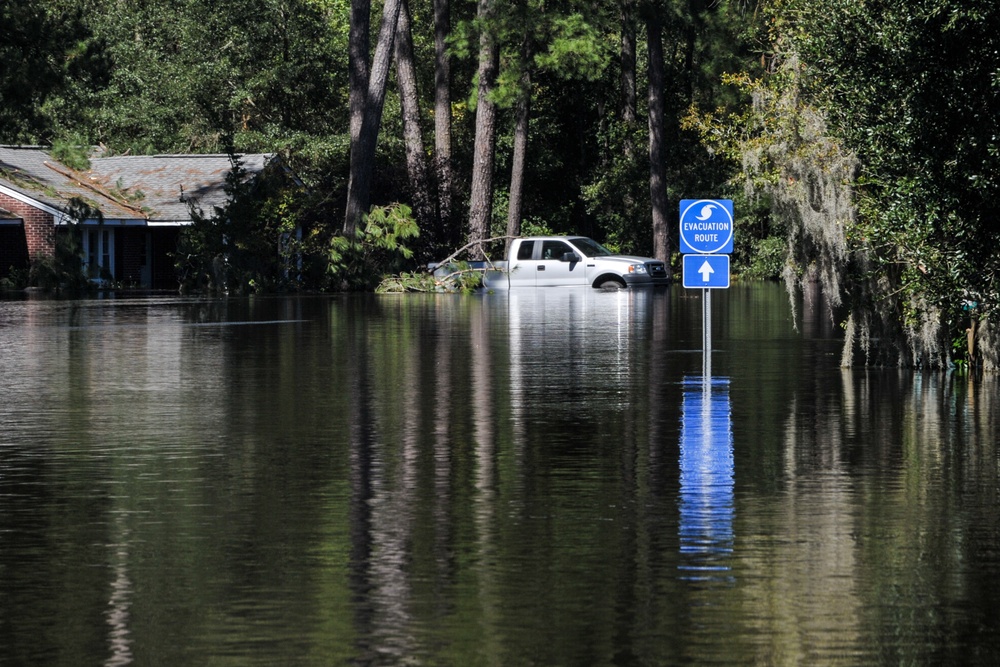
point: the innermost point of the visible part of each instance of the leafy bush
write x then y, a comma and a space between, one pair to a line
250, 245
376, 251
767, 260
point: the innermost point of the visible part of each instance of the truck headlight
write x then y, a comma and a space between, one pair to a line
637, 268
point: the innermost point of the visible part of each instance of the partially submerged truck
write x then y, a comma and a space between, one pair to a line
562, 261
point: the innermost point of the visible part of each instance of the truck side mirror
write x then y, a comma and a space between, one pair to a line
569, 257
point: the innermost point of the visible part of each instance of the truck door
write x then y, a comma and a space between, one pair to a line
522, 267
553, 270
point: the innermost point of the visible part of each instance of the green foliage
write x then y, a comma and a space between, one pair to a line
250, 245
377, 250
266, 79
767, 259
48, 55
617, 196
871, 150
535, 227
74, 152
576, 48
15, 280
134, 76
454, 277
796, 179
917, 100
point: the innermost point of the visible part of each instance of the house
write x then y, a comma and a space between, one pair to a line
143, 200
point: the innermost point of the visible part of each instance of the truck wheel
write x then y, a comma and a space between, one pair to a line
611, 283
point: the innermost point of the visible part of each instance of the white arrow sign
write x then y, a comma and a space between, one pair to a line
706, 271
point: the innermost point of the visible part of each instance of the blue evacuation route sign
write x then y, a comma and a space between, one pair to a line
707, 226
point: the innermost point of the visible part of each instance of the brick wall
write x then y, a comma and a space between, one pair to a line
130, 255
39, 226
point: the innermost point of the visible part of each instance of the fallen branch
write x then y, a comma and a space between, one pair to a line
444, 279
470, 245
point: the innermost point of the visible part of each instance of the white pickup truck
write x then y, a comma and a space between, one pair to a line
559, 261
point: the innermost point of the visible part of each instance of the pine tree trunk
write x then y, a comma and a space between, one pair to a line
522, 117
481, 197
628, 60
357, 56
363, 150
442, 118
657, 147
516, 204
416, 165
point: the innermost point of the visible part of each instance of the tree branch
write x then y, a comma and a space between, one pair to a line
470, 245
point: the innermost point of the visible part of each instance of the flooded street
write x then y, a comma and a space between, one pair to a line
545, 477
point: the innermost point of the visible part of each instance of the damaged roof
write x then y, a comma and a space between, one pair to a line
168, 183
156, 189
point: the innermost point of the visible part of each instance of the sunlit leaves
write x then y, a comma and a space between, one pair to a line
911, 89
576, 50
377, 248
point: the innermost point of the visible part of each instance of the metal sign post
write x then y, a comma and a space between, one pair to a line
706, 334
707, 227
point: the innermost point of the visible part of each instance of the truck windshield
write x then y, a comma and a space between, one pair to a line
590, 247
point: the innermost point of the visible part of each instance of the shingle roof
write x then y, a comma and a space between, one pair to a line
113, 184
32, 172
169, 182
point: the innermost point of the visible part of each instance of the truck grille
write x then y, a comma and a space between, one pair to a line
656, 270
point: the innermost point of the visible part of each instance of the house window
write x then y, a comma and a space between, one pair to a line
99, 253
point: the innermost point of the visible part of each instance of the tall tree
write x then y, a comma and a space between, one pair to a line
442, 114
877, 153
363, 146
484, 149
627, 61
416, 164
522, 115
558, 43
918, 101
358, 49
657, 141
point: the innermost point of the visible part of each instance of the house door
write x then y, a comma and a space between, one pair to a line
99, 253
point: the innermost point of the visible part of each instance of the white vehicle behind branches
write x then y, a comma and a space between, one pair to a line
564, 261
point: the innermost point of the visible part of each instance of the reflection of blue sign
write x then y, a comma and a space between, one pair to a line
706, 271
706, 495
707, 226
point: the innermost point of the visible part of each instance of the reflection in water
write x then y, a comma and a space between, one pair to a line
393, 487
568, 345
802, 558
361, 458
485, 485
706, 494
484, 480
118, 615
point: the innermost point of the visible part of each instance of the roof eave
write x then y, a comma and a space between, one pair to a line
57, 213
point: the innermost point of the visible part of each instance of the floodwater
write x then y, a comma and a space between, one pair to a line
546, 477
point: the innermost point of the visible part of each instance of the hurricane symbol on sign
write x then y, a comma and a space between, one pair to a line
706, 212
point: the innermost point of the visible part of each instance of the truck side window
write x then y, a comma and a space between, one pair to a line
554, 249
526, 249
